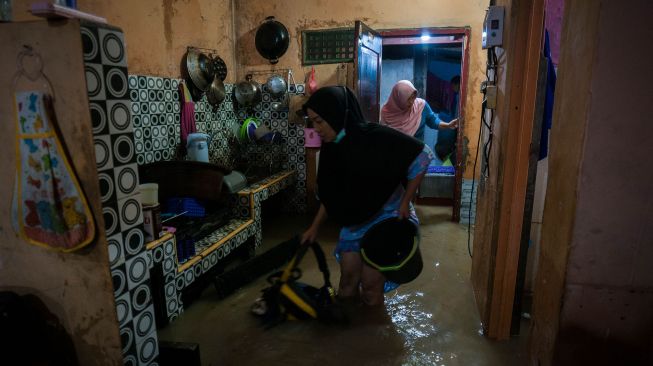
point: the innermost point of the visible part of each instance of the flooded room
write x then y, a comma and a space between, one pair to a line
325, 182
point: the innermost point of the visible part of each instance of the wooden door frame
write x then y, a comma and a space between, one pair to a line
456, 31
523, 41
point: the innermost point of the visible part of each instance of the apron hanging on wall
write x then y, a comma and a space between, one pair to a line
50, 207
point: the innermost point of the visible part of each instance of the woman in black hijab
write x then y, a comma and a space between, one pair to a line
359, 183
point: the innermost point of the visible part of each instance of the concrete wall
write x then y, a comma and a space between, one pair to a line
158, 32
76, 287
599, 201
298, 15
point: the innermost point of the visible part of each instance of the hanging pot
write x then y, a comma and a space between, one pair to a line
215, 95
280, 106
272, 39
199, 68
248, 92
276, 86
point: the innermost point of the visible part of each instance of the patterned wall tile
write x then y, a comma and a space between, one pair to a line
137, 271
112, 104
157, 134
116, 250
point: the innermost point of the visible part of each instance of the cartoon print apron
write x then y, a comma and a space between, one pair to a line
51, 209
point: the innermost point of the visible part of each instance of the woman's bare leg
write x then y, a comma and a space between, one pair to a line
350, 275
372, 282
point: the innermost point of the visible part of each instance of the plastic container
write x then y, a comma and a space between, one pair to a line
149, 193
392, 247
311, 138
198, 147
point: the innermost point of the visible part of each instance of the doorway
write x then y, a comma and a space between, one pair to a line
435, 60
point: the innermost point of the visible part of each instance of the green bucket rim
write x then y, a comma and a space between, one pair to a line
395, 267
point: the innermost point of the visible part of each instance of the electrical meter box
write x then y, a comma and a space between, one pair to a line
493, 27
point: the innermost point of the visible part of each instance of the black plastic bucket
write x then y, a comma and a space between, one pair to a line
392, 247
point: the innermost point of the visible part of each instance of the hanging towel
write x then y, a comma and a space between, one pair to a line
51, 209
187, 115
549, 99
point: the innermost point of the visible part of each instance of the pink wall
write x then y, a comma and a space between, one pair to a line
609, 283
553, 23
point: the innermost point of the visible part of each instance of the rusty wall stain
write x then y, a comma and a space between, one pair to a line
168, 13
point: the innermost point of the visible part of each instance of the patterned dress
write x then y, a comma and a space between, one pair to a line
350, 236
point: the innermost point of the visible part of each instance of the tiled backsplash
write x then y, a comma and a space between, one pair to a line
156, 115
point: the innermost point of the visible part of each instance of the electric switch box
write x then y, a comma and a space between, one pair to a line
493, 27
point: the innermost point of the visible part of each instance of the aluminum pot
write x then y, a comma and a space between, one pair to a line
248, 92
276, 86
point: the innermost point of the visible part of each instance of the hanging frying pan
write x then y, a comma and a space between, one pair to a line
198, 67
272, 39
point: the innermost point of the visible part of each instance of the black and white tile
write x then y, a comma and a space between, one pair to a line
111, 109
156, 120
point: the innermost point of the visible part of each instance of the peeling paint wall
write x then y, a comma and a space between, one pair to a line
158, 32
298, 15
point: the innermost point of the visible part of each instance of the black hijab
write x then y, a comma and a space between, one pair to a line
358, 174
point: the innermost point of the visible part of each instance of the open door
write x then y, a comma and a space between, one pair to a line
367, 63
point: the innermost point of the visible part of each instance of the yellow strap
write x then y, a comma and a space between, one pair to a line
292, 296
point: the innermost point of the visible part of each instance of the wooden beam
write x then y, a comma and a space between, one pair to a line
528, 45
578, 47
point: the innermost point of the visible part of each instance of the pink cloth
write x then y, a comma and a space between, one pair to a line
396, 115
187, 114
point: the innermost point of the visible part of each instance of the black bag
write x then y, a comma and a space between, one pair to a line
288, 299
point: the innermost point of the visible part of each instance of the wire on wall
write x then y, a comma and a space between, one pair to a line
490, 79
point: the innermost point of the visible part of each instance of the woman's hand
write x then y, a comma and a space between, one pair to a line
404, 210
309, 235
453, 124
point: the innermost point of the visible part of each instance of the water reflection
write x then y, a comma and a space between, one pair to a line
417, 326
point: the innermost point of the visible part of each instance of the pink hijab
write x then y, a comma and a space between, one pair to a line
394, 112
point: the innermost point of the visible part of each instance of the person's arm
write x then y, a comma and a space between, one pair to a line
434, 121
411, 190
449, 125
310, 234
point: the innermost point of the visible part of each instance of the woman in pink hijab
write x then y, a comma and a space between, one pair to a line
405, 112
